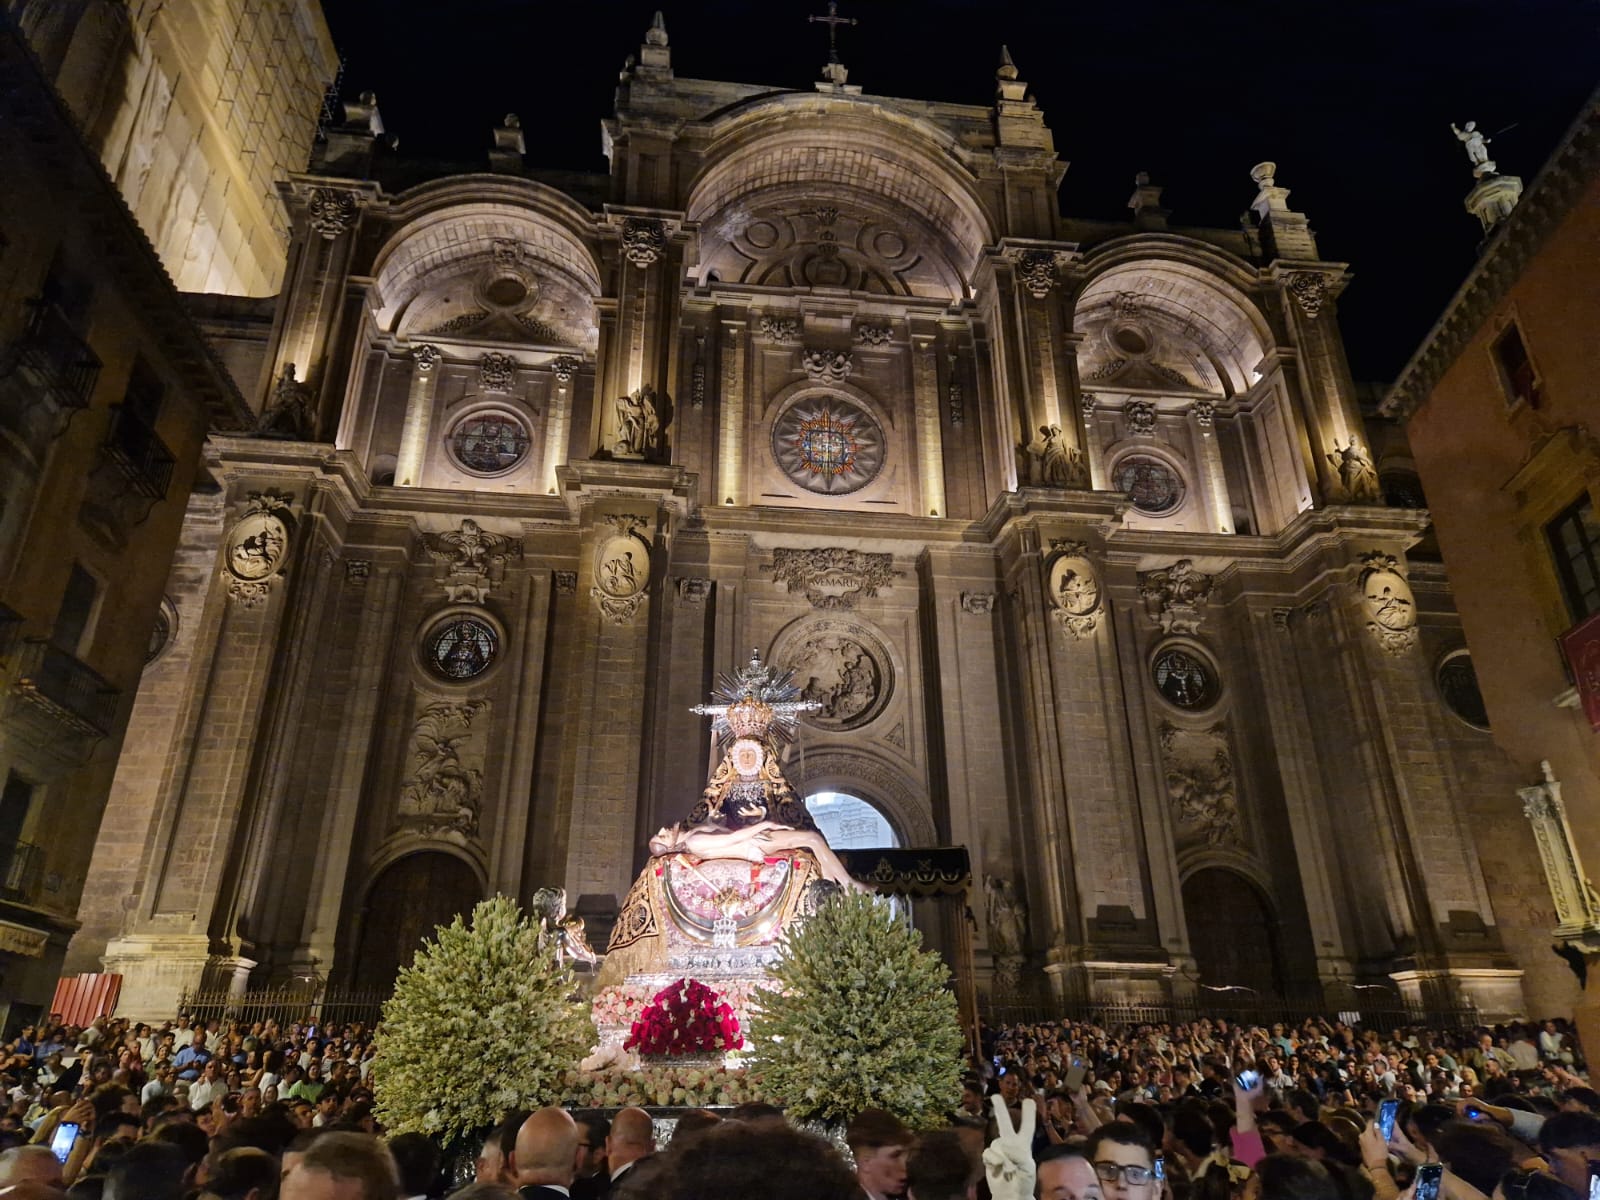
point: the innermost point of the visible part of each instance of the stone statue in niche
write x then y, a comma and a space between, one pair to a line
566, 929
1356, 472
1051, 462
288, 413
642, 421
443, 793
1006, 914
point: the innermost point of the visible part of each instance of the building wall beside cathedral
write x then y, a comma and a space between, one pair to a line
1075, 531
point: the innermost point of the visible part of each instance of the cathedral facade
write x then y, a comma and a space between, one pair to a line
1076, 531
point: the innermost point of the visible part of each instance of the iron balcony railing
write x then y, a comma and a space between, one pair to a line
55, 356
141, 456
21, 870
51, 678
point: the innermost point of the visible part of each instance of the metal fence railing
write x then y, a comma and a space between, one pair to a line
326, 1008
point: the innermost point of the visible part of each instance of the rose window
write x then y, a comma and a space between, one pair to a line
1184, 679
828, 444
1154, 487
489, 443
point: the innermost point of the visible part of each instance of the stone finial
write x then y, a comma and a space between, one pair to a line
1262, 173
1008, 69
1009, 89
1284, 233
656, 35
654, 57
1146, 203
509, 145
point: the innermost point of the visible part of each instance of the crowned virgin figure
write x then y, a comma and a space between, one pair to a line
746, 862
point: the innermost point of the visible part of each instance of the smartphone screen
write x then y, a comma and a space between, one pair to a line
61, 1144
1075, 1075
1473, 1112
1161, 1170
1248, 1079
1386, 1114
1594, 1180
1428, 1176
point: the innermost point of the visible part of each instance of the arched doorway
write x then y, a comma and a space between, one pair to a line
1233, 934
409, 898
851, 823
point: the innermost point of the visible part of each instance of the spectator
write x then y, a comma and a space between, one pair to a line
30, 1164
938, 1168
416, 1157
1124, 1161
592, 1170
243, 1173
151, 1170
343, 1166
1065, 1174
1569, 1141
547, 1154
736, 1160
879, 1143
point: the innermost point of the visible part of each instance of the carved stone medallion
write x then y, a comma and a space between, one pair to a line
1072, 588
841, 665
833, 577
1387, 600
257, 547
497, 372
1141, 418
622, 569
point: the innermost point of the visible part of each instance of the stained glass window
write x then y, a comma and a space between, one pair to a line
1184, 679
462, 648
488, 443
1154, 487
828, 444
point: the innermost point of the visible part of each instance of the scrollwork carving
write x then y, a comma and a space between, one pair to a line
1308, 288
257, 547
1036, 272
833, 577
1141, 418
471, 560
1173, 597
1388, 602
827, 366
331, 211
497, 372
644, 240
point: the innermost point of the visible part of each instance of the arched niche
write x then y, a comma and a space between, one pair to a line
837, 769
852, 822
886, 184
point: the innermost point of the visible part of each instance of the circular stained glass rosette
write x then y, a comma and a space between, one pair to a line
1184, 679
489, 443
462, 648
1154, 487
828, 444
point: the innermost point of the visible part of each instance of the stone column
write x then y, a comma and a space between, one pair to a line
926, 405
731, 417
1216, 487
409, 462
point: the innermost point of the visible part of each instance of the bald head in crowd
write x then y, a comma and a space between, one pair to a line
632, 1137
29, 1164
547, 1149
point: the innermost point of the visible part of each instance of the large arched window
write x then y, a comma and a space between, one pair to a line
849, 822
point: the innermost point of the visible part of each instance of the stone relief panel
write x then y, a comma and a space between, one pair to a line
443, 791
833, 577
1072, 589
257, 547
841, 664
1388, 603
622, 568
1201, 792
1174, 597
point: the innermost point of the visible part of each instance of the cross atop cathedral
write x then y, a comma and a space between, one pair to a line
834, 71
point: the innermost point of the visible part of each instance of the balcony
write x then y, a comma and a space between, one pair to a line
52, 682
141, 457
53, 356
21, 871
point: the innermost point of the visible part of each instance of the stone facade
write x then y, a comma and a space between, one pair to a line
1070, 528
107, 391
1498, 406
196, 110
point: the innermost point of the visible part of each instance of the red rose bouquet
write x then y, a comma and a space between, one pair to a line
685, 1017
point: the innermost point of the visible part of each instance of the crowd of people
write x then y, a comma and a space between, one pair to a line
1321, 1110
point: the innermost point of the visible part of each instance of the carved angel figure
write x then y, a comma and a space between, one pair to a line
1356, 472
549, 905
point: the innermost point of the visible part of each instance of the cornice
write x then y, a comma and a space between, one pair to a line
1513, 245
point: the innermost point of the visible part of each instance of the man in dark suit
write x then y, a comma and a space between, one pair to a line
546, 1157
631, 1140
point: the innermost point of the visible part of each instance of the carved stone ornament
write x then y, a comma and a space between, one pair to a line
642, 420
644, 240
1141, 418
497, 372
833, 577
427, 356
564, 367
692, 589
957, 395
978, 604
1006, 921
1088, 401
1308, 289
874, 335
842, 666
357, 570
1577, 907
779, 329
257, 547
471, 560
332, 211
1173, 597
1387, 601
566, 582
1200, 784
1051, 460
1072, 588
1036, 271
827, 366
444, 789
290, 413
1205, 412
622, 570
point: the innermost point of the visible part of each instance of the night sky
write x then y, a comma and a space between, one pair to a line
1352, 100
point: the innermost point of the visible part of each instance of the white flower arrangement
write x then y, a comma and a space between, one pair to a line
487, 1019
861, 1017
